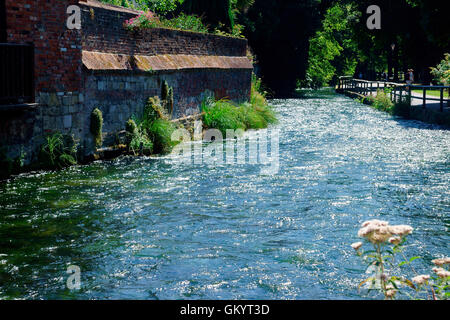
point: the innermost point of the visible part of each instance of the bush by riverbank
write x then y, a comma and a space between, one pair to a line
255, 114
403, 109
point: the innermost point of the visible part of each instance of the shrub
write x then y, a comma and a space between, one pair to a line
382, 101
256, 114
160, 132
401, 109
97, 126
222, 115
58, 151
144, 20
167, 98
183, 22
153, 110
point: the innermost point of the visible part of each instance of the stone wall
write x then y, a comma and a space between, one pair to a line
120, 96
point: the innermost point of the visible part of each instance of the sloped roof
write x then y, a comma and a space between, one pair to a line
110, 61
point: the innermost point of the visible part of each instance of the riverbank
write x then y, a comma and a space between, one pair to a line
402, 109
149, 134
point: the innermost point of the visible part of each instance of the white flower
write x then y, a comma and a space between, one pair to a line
422, 279
357, 245
401, 230
441, 262
441, 272
377, 231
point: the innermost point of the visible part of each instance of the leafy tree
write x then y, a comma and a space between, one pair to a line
278, 33
332, 41
441, 72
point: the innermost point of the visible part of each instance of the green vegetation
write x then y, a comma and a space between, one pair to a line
330, 42
58, 151
434, 93
152, 133
441, 72
224, 114
159, 6
160, 132
167, 98
148, 20
97, 126
154, 110
137, 138
403, 109
204, 16
10, 166
344, 46
388, 268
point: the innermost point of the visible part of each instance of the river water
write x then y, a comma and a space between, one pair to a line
152, 228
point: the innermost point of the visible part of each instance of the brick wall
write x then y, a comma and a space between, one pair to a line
103, 31
57, 49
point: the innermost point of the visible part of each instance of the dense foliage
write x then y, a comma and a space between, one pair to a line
441, 72
345, 46
224, 114
313, 42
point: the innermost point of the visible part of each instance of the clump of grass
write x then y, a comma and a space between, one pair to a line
58, 151
153, 132
255, 114
160, 132
382, 101
222, 115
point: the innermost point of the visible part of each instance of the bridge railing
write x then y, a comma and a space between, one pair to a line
397, 91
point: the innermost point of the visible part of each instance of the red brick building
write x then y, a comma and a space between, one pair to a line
52, 77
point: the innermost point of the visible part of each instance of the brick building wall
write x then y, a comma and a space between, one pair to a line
103, 31
57, 75
68, 86
57, 49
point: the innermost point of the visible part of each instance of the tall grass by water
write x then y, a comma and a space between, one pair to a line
255, 114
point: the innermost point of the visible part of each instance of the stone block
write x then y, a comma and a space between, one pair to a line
53, 100
67, 121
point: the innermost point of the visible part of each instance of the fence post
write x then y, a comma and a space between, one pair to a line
410, 94
442, 99
424, 97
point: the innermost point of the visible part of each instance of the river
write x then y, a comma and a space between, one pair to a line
152, 228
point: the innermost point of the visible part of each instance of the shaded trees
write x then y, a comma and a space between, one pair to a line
278, 33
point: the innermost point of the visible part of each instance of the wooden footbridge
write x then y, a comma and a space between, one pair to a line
398, 92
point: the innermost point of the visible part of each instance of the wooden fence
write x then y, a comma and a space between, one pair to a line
397, 91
